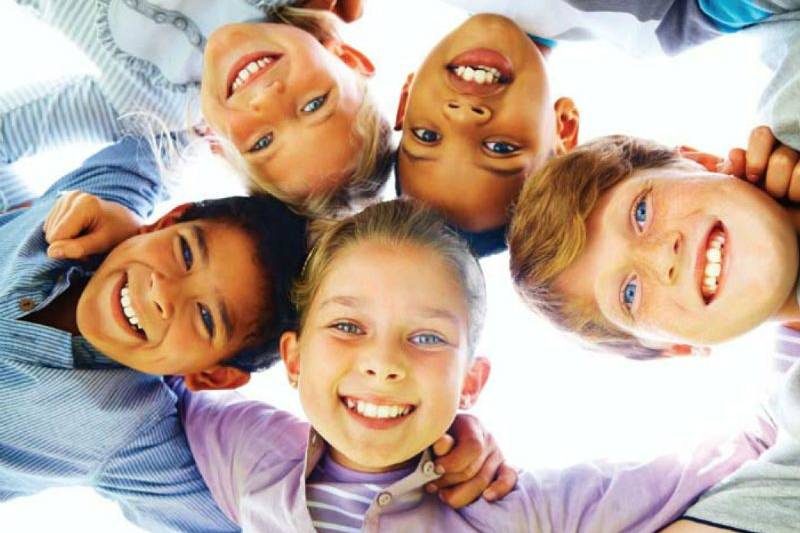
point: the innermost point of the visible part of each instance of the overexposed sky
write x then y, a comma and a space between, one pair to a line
548, 403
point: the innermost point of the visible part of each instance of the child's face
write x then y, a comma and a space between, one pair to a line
383, 354
292, 120
467, 147
682, 255
189, 286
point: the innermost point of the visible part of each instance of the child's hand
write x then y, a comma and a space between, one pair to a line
474, 467
347, 10
81, 224
766, 162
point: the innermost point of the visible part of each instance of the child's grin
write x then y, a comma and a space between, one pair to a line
479, 72
712, 262
122, 309
250, 67
377, 413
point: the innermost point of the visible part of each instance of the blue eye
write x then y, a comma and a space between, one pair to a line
427, 339
262, 143
347, 327
640, 213
208, 320
314, 104
629, 291
425, 135
501, 148
186, 253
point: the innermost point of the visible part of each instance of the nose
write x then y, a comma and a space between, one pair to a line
466, 113
663, 254
267, 98
382, 364
161, 296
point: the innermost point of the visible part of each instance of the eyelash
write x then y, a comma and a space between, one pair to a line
319, 100
642, 200
207, 319
437, 340
421, 135
348, 328
262, 143
186, 253
491, 145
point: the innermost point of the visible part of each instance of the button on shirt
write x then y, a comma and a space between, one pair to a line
68, 414
253, 455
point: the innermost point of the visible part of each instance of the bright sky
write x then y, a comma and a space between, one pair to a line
548, 403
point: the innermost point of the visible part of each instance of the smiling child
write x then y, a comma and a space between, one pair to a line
272, 81
391, 304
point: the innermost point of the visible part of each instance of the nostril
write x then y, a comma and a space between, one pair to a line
391, 376
370, 372
478, 111
452, 105
671, 273
160, 309
676, 246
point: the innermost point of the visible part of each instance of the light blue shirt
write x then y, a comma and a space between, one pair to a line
69, 415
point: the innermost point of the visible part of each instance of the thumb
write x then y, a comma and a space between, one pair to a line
443, 445
79, 247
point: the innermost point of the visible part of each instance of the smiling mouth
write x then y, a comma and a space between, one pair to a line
712, 261
128, 311
382, 411
479, 72
249, 68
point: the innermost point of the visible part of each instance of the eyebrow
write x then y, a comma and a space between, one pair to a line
505, 172
226, 318
346, 301
435, 312
200, 240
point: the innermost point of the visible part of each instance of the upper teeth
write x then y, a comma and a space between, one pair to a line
713, 268
248, 70
371, 410
479, 74
127, 308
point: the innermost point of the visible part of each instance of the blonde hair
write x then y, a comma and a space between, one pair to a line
400, 221
371, 128
547, 233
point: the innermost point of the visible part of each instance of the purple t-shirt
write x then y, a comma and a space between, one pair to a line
257, 459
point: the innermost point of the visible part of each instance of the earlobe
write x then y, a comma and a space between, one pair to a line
217, 377
290, 353
402, 103
474, 381
352, 57
567, 125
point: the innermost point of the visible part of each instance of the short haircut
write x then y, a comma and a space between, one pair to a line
395, 222
280, 249
547, 233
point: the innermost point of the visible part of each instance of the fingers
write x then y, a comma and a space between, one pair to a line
780, 169
759, 148
470, 490
470, 448
443, 445
794, 184
504, 483
736, 164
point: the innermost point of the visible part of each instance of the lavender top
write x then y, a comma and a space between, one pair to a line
256, 460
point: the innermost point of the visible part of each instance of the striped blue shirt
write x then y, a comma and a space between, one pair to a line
68, 415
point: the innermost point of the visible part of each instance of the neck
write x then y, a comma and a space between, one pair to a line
357, 466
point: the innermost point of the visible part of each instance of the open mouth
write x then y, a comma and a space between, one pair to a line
480, 71
249, 68
711, 262
377, 415
127, 312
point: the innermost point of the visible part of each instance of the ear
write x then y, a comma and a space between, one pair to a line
567, 121
172, 217
290, 353
711, 162
474, 381
217, 377
402, 103
352, 57
684, 350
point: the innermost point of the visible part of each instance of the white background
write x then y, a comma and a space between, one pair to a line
548, 403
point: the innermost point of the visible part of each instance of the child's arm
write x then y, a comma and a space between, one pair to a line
81, 224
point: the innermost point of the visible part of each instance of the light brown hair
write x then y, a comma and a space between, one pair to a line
547, 233
401, 221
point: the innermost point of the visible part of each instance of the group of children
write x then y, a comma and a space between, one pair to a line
632, 245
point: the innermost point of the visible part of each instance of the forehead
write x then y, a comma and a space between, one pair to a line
385, 276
